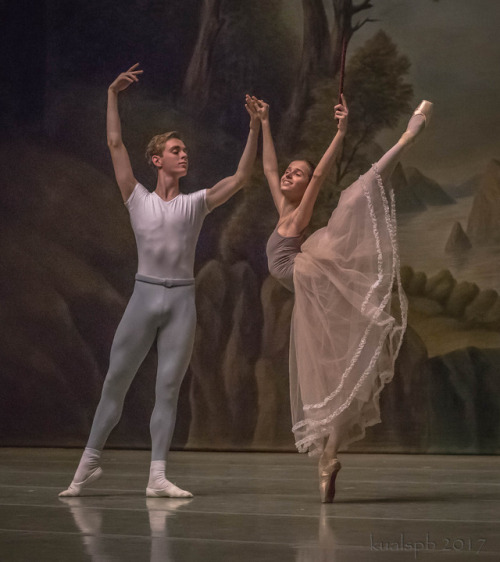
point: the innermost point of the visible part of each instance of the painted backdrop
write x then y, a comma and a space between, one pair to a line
68, 254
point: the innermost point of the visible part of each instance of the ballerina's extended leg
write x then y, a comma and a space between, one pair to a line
417, 123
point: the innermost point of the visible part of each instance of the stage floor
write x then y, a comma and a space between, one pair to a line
254, 507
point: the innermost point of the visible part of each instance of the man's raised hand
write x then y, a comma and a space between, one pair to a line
126, 78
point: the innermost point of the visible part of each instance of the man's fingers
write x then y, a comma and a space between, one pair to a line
131, 76
133, 66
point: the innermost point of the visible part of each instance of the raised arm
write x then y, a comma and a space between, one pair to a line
269, 159
119, 155
302, 215
227, 187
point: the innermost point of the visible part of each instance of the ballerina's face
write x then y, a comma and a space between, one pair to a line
295, 179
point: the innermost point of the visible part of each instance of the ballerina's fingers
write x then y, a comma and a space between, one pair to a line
341, 116
342, 106
260, 103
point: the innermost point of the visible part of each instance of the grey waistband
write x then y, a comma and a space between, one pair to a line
164, 282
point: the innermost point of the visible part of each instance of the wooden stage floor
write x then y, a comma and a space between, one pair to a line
255, 507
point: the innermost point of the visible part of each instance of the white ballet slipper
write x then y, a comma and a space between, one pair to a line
75, 488
169, 491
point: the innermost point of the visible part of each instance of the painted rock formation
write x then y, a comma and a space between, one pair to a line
484, 219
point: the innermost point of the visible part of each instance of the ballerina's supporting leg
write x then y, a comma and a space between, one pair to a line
418, 121
328, 468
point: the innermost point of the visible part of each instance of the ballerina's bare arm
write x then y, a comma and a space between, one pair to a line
119, 155
302, 215
225, 188
269, 160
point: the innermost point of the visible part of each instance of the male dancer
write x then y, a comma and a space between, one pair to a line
166, 224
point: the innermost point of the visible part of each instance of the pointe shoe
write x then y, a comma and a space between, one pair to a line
327, 476
425, 110
75, 488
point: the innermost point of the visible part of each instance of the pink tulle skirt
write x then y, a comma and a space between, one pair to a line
345, 334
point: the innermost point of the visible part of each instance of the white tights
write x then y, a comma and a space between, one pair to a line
155, 312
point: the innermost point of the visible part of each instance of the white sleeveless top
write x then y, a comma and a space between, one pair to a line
166, 232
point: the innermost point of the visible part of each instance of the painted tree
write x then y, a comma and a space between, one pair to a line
321, 55
197, 82
313, 58
241, 47
375, 80
343, 27
378, 95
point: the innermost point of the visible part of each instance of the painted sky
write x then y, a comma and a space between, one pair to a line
454, 48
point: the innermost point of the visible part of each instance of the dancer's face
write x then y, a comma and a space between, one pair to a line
295, 179
174, 159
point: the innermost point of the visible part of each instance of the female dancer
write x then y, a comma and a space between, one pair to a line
344, 337
166, 225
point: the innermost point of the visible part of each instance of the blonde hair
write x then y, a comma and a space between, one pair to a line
156, 145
